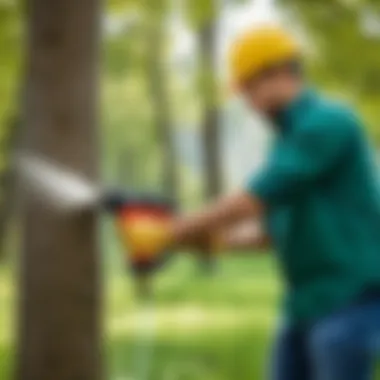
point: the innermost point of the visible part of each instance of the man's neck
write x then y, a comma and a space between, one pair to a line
280, 115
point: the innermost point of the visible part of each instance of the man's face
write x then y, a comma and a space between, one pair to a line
267, 92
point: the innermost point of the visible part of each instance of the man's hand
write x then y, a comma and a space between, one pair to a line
247, 235
223, 213
148, 238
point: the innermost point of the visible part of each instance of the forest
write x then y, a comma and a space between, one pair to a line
133, 94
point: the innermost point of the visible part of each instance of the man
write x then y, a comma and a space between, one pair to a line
318, 200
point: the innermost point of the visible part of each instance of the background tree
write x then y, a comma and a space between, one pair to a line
204, 18
59, 330
8, 179
158, 84
138, 52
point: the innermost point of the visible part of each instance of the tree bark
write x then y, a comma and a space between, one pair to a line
59, 326
210, 123
8, 183
210, 127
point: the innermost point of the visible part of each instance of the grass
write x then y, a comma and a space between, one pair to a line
6, 322
195, 327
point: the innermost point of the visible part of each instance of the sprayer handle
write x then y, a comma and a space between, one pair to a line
114, 201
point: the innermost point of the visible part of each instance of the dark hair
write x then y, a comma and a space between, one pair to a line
295, 66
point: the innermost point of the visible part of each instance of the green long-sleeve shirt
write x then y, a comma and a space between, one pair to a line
323, 207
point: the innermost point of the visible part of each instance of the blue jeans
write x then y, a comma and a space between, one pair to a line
340, 347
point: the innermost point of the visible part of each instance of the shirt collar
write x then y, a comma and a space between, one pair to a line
285, 118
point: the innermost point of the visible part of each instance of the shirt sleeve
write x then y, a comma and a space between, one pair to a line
300, 160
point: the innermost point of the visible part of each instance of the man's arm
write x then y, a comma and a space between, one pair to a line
312, 151
248, 235
221, 214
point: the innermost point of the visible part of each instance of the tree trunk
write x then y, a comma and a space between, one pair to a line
59, 329
8, 182
210, 127
158, 83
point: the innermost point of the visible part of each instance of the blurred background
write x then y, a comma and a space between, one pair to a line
169, 124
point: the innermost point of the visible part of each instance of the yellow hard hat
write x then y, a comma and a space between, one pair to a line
258, 49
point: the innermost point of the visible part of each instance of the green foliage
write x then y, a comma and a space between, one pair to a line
121, 5
10, 52
200, 12
136, 74
348, 57
124, 54
127, 127
10, 68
